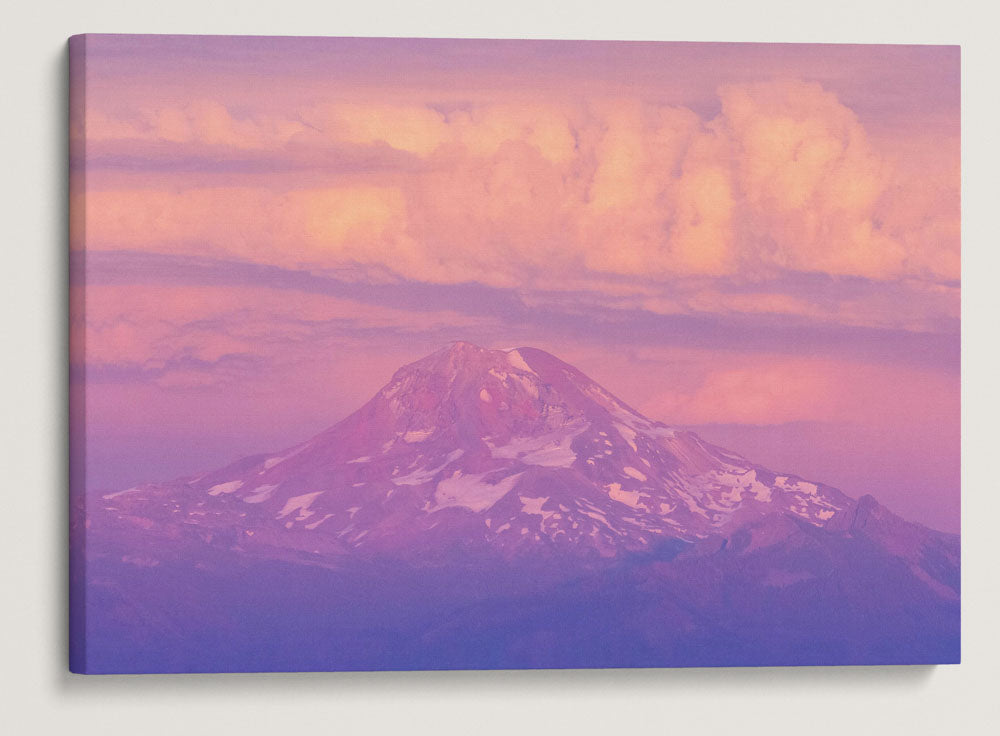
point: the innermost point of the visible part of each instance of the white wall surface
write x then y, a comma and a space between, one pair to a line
38, 696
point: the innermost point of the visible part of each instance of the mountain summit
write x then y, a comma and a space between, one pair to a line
509, 450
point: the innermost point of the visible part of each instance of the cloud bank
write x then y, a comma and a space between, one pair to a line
783, 179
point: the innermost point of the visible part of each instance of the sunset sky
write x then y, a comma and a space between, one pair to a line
758, 241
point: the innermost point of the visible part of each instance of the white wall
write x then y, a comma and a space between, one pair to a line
36, 693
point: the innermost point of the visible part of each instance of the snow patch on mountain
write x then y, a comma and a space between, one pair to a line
229, 487
551, 450
314, 524
738, 483
528, 384
515, 358
633, 473
260, 493
798, 486
628, 434
116, 494
473, 491
629, 498
417, 435
271, 462
300, 504
425, 475
533, 506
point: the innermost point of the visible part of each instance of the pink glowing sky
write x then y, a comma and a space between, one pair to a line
758, 241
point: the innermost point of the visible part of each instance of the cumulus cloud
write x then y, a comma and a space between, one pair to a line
525, 192
810, 181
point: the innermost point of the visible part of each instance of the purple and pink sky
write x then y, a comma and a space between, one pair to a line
758, 241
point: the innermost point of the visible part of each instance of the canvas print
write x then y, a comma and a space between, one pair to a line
396, 354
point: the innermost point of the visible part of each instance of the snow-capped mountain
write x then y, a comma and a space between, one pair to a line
497, 508
512, 450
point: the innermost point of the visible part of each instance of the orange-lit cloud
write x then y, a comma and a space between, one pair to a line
776, 389
784, 178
